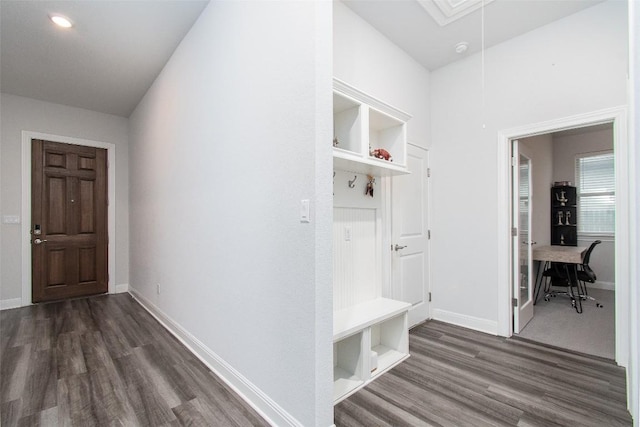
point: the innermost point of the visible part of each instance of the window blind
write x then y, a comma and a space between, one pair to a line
595, 178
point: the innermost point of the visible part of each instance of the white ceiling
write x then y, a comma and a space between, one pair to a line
410, 24
105, 63
115, 50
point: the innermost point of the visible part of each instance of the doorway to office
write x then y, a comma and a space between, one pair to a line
577, 165
615, 118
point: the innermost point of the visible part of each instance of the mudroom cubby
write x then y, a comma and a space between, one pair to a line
369, 339
362, 124
370, 331
389, 343
348, 365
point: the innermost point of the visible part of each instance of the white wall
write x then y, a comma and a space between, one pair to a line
572, 66
567, 146
24, 114
565, 149
234, 132
368, 61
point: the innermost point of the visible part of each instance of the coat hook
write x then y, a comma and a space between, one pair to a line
352, 183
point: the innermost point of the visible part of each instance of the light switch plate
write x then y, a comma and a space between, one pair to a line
304, 211
10, 219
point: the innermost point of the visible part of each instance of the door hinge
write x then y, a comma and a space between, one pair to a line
429, 234
428, 172
514, 231
513, 161
429, 296
514, 301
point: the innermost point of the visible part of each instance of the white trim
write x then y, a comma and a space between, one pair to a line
617, 116
122, 288
7, 304
256, 398
475, 323
27, 136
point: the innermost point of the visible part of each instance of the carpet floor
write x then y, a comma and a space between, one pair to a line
556, 323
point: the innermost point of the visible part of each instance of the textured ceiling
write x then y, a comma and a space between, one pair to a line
411, 26
105, 63
115, 50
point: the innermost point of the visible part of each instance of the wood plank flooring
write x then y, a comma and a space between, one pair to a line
457, 377
105, 361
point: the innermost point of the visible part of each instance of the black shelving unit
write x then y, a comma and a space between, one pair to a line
564, 218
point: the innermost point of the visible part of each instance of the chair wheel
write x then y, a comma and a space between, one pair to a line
599, 305
546, 299
573, 303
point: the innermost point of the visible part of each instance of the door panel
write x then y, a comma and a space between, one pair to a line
56, 207
409, 214
69, 221
522, 251
413, 270
87, 211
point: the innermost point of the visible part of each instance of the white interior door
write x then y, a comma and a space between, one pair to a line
410, 235
522, 251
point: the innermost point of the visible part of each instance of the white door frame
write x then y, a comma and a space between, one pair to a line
618, 117
27, 136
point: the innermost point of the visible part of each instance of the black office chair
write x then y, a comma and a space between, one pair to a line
564, 275
587, 275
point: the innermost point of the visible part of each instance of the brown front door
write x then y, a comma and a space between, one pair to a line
69, 220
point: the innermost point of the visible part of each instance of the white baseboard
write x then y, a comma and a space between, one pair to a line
258, 400
7, 304
608, 286
475, 323
122, 288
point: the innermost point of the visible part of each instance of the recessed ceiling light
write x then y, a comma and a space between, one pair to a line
61, 21
461, 47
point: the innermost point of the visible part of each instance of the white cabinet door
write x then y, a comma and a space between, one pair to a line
409, 235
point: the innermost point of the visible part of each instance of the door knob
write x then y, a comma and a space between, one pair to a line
398, 247
38, 241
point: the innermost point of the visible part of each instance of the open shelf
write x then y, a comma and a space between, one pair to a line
350, 162
388, 133
347, 124
379, 326
355, 318
344, 383
348, 365
362, 123
390, 343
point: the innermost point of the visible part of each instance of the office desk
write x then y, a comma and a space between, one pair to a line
546, 254
568, 254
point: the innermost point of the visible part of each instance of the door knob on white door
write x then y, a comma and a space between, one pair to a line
398, 247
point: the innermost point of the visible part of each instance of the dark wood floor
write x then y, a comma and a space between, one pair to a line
457, 377
106, 361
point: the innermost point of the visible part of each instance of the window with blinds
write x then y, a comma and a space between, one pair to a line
595, 182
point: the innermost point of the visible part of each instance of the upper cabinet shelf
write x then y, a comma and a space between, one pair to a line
362, 124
